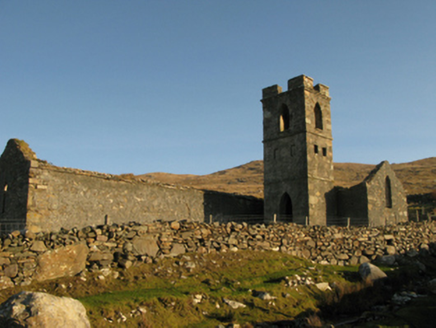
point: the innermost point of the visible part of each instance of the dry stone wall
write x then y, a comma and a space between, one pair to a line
29, 256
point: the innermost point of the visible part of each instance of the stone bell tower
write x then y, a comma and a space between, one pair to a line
298, 157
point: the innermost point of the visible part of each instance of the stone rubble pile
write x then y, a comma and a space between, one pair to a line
27, 256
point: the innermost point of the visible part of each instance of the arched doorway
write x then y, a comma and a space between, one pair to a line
285, 213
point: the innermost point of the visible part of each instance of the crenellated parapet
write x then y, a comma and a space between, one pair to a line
301, 81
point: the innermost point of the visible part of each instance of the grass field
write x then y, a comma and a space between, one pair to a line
192, 291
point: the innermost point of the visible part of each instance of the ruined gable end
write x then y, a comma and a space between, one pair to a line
15, 163
387, 201
18, 149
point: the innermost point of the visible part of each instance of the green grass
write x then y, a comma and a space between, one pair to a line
166, 290
232, 276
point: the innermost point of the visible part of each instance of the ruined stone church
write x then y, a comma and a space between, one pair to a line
298, 181
298, 164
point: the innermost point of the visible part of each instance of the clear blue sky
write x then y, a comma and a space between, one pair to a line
175, 86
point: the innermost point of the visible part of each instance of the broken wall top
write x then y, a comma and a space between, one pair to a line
18, 149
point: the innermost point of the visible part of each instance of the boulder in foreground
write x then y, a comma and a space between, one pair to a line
41, 310
371, 272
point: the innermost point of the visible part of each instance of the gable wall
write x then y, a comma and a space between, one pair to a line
14, 173
378, 213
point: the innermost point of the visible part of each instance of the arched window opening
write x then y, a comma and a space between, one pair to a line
285, 207
388, 192
284, 119
318, 117
3, 203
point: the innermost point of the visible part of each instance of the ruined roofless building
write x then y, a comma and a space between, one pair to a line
298, 164
38, 196
299, 180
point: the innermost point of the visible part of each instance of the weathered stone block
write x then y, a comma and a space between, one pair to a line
145, 246
100, 256
65, 261
38, 246
177, 249
11, 271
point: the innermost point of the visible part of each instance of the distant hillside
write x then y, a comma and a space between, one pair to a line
418, 177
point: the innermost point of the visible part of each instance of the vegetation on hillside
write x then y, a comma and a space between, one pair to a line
196, 291
418, 177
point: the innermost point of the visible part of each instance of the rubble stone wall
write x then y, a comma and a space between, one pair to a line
14, 170
38, 196
379, 212
29, 256
60, 198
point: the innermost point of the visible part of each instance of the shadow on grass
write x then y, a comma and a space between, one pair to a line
371, 302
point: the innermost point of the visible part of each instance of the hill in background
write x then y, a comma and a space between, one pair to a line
418, 177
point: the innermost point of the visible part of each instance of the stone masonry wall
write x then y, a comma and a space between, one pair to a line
298, 158
69, 198
42, 256
353, 202
14, 169
378, 211
61, 198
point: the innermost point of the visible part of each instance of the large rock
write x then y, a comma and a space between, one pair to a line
40, 310
371, 272
62, 262
145, 246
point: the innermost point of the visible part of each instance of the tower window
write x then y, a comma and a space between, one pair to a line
284, 119
318, 117
388, 192
275, 153
324, 151
315, 148
3, 203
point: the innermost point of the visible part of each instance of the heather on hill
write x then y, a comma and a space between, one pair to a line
418, 177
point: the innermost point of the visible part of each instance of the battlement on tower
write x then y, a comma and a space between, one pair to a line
301, 81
